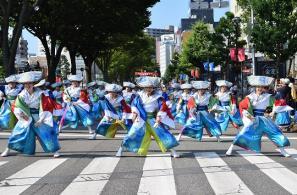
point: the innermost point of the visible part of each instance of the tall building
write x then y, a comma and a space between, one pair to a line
21, 58
157, 32
167, 47
199, 10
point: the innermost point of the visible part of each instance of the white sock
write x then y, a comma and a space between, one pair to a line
119, 152
90, 129
229, 151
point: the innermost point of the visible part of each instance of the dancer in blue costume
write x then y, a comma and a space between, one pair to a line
9, 95
174, 96
199, 118
128, 93
282, 109
57, 93
77, 105
151, 118
228, 106
34, 111
116, 111
96, 107
182, 112
256, 120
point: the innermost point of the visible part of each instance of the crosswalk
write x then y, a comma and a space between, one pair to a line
158, 174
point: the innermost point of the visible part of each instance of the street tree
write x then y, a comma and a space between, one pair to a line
232, 39
275, 29
202, 46
14, 14
135, 55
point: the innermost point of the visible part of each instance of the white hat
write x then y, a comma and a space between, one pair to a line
58, 84
260, 80
78, 78
200, 84
100, 83
285, 81
41, 83
128, 84
29, 77
148, 81
11, 79
91, 84
221, 83
38, 75
113, 88
66, 82
186, 86
175, 86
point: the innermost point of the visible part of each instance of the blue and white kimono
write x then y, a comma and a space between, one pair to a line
77, 108
228, 111
250, 136
39, 109
282, 112
128, 96
58, 96
200, 118
175, 96
139, 137
182, 113
96, 110
116, 114
7, 117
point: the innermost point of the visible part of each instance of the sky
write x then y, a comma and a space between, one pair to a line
163, 14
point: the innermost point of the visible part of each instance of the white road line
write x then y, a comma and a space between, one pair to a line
277, 172
20, 181
3, 162
219, 175
157, 177
93, 178
291, 151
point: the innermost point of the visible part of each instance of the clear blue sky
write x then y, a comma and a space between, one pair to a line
164, 13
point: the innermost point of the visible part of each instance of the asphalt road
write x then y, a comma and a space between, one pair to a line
90, 167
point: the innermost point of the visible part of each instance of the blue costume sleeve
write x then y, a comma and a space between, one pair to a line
137, 102
2, 88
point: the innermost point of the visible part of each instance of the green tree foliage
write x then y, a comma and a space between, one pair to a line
202, 46
14, 14
175, 69
232, 36
135, 55
2, 69
90, 28
275, 28
64, 66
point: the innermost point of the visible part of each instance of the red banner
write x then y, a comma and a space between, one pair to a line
240, 54
153, 74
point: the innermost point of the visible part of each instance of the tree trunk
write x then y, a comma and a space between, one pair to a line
290, 66
72, 54
88, 60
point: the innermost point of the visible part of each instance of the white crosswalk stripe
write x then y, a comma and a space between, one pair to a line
221, 178
291, 151
157, 176
277, 172
20, 181
94, 177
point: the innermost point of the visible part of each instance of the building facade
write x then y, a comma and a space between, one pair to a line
157, 32
167, 48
